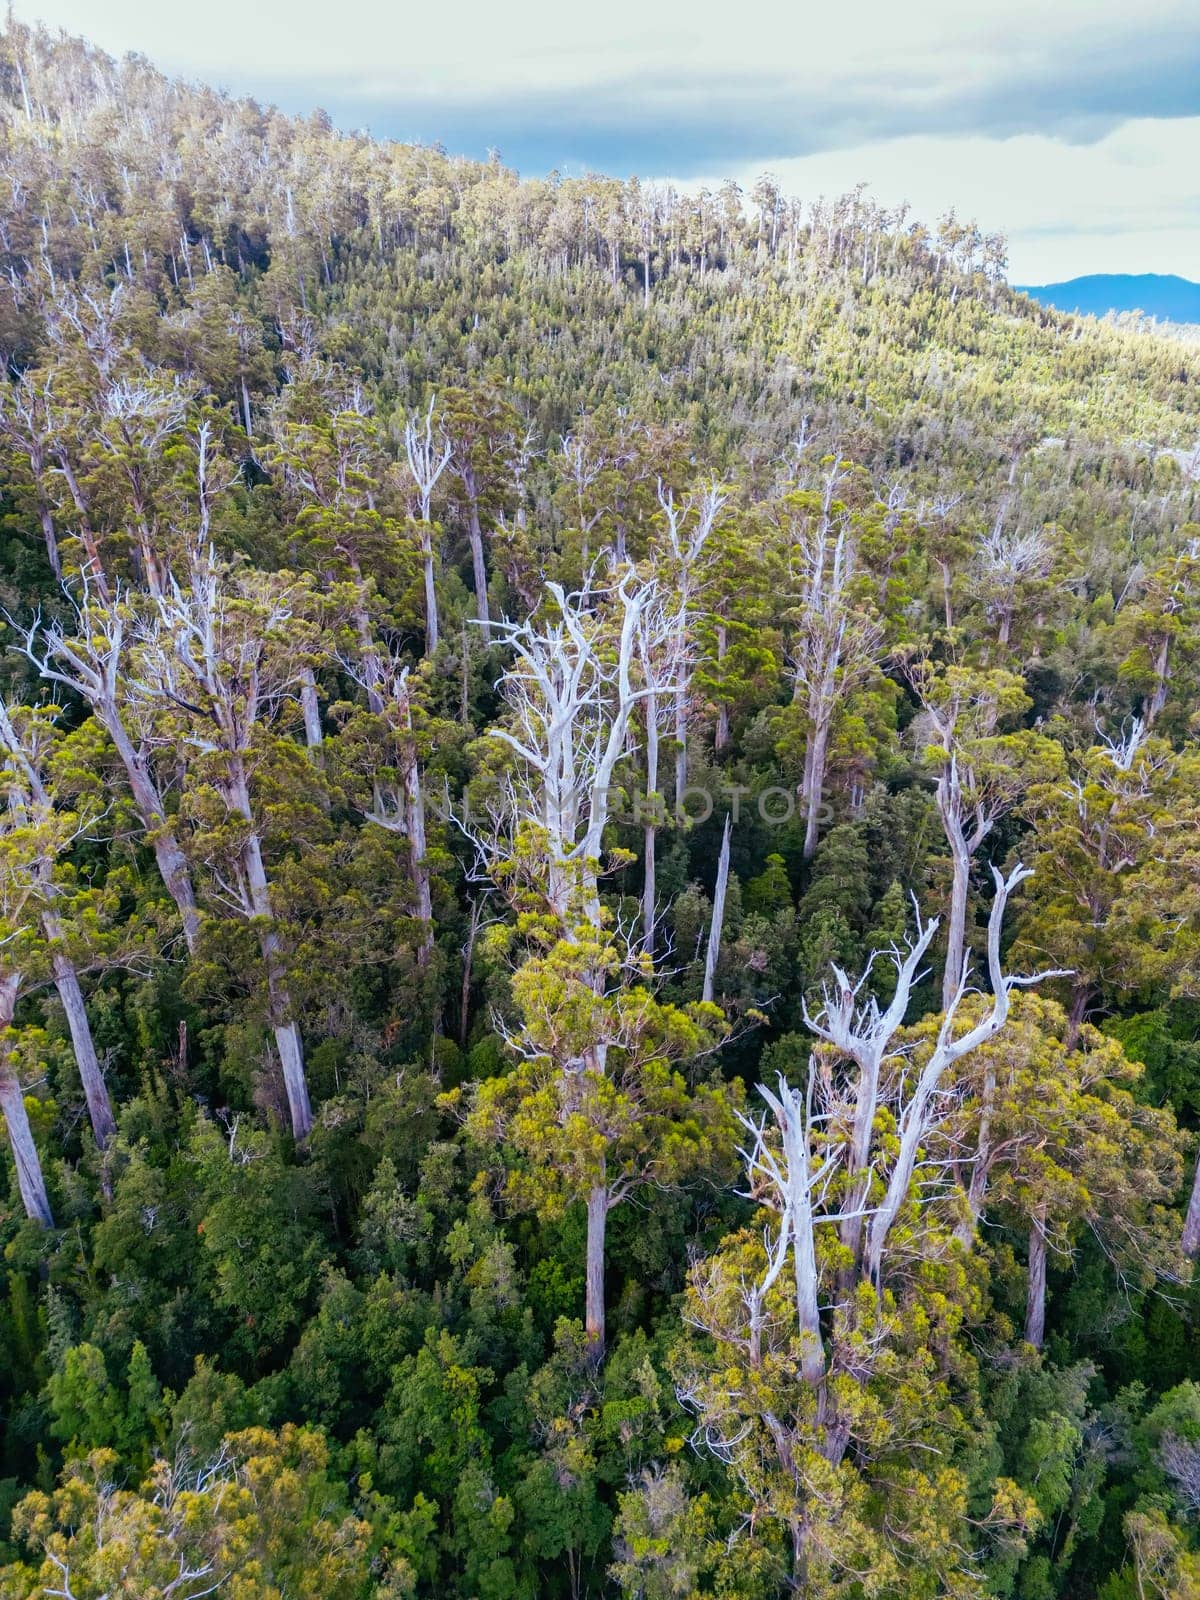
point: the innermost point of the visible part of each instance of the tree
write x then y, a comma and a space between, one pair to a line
25, 743
981, 774
218, 663
838, 635
428, 451
835, 1165
595, 1107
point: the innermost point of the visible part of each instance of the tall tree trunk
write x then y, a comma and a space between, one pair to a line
815, 760
464, 1017
650, 831
721, 737
1081, 998
956, 923
310, 705
713, 953
283, 1020
66, 981
51, 539
479, 567
1191, 1223
681, 750
431, 610
597, 1224
1035, 1305
419, 853
30, 1182
172, 863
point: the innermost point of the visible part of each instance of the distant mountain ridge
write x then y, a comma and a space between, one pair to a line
1162, 295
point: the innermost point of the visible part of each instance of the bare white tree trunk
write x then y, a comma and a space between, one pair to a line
283, 1021
713, 954
956, 922
310, 705
89, 663
478, 565
597, 1225
30, 1182
1035, 1304
428, 451
66, 981
1191, 1222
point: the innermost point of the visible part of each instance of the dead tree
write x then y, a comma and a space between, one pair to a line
836, 644
217, 663
91, 661
428, 450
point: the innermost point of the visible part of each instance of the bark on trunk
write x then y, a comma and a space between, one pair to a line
51, 539
431, 611
713, 953
721, 737
956, 923
681, 752
1035, 1306
650, 833
1191, 1223
66, 981
814, 787
597, 1223
418, 854
172, 863
30, 1182
311, 707
479, 568
283, 1021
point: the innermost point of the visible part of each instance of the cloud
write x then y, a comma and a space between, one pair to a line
634, 86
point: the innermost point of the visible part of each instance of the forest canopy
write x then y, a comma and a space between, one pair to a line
600, 885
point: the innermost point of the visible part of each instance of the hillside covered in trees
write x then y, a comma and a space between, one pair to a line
600, 885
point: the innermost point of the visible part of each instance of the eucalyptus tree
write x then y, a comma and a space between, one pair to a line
595, 1104
218, 669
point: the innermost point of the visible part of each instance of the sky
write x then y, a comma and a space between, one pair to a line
1072, 127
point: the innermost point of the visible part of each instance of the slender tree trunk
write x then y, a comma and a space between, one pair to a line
51, 539
479, 567
597, 1224
66, 981
650, 831
464, 1016
814, 786
956, 923
681, 750
713, 953
1191, 1223
172, 863
30, 1182
1081, 997
1035, 1306
431, 610
246, 419
311, 707
418, 854
283, 1021
721, 737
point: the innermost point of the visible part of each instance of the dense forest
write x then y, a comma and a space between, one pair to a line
600, 886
